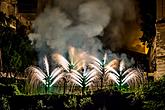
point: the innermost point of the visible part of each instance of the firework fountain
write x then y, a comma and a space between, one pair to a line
83, 73
101, 66
122, 76
83, 78
47, 78
75, 61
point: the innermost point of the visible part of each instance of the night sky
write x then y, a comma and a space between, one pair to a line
147, 6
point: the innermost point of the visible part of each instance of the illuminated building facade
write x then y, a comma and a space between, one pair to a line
160, 39
24, 10
157, 53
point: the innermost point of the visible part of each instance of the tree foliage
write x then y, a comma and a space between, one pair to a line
149, 29
154, 95
17, 51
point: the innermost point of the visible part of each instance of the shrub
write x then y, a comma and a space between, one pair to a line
9, 90
4, 105
154, 95
86, 103
15, 89
71, 103
114, 100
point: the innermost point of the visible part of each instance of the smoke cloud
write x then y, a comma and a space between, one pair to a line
123, 19
88, 25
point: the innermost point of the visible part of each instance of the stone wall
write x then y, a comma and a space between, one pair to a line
160, 9
160, 51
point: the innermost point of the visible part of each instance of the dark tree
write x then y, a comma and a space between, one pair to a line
16, 48
154, 95
149, 29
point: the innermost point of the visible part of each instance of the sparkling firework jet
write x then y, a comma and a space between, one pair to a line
75, 60
101, 66
84, 78
47, 78
130, 76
